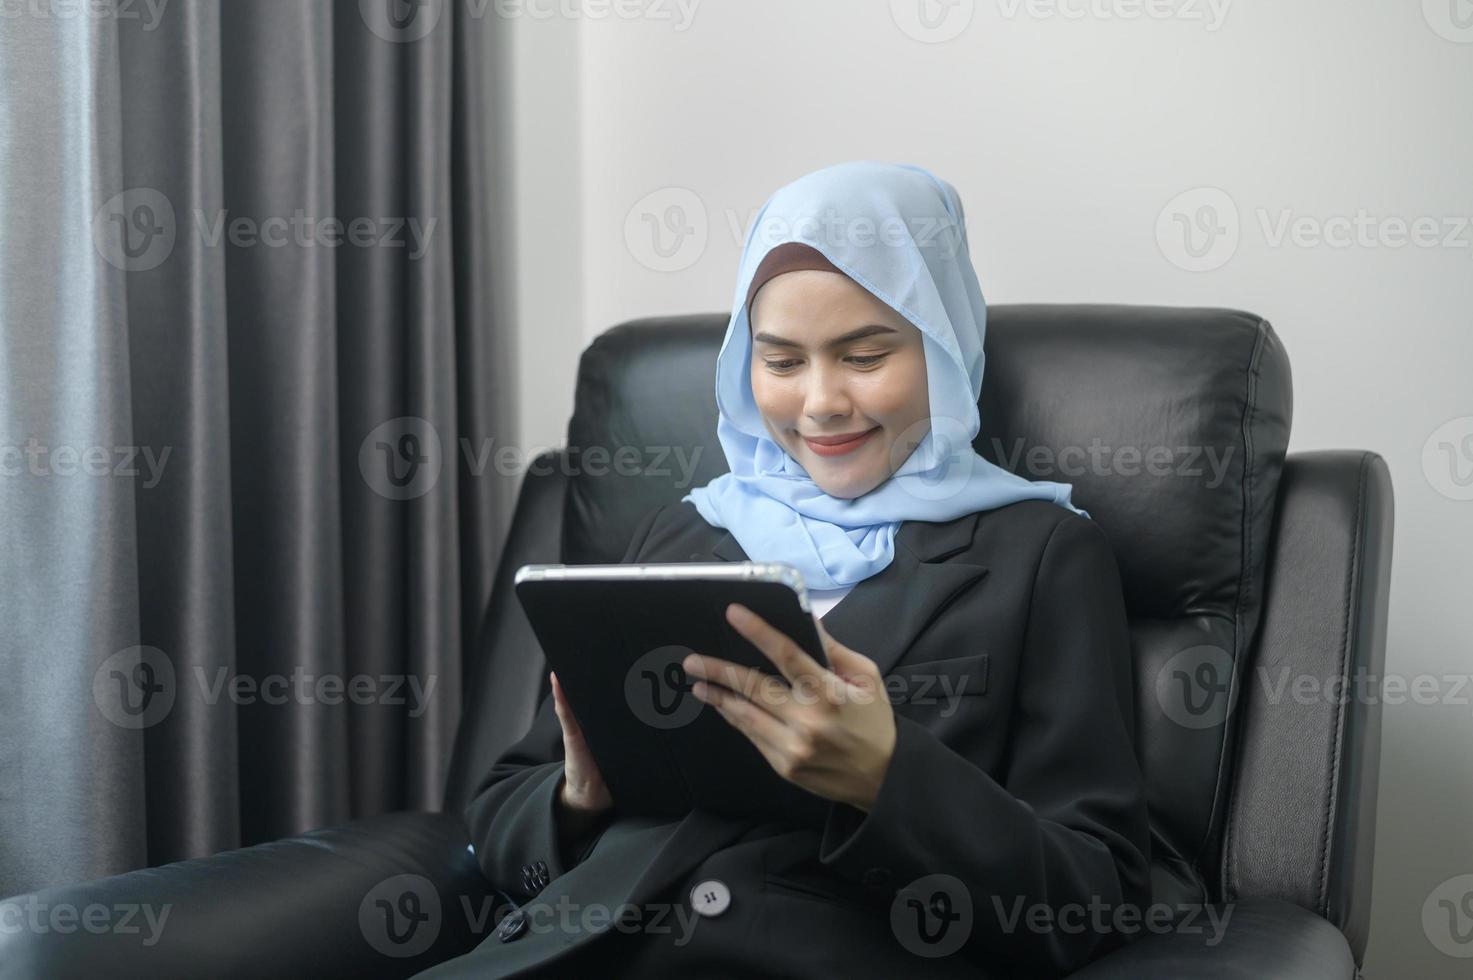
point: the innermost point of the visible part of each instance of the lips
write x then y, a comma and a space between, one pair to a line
840, 444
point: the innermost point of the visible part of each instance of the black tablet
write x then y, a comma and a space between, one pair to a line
616, 635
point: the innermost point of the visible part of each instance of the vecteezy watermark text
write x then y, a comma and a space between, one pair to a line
138, 229
403, 915
401, 459
406, 21
668, 229
1100, 459
1199, 230
1098, 916
304, 687
36, 459
148, 12
658, 689
28, 914
137, 687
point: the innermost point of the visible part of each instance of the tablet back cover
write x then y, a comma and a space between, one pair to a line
617, 648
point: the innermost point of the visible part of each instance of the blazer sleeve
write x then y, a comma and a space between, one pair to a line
512, 817
1063, 829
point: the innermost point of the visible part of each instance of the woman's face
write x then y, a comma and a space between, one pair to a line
839, 377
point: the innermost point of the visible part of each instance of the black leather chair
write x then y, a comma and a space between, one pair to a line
1243, 571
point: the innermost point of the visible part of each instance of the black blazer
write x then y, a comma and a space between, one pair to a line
1013, 805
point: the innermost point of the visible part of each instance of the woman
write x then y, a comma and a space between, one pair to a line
973, 735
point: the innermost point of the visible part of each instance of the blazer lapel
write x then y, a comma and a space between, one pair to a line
882, 615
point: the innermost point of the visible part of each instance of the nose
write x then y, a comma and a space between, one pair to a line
825, 396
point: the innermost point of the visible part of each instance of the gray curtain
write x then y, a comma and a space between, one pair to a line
243, 556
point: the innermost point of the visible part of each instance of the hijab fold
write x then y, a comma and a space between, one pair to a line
899, 231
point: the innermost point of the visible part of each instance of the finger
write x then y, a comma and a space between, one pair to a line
564, 711
789, 658
771, 693
826, 639
848, 663
851, 665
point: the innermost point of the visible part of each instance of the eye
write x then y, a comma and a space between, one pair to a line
786, 364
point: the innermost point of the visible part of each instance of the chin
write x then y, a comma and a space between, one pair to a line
848, 489
838, 480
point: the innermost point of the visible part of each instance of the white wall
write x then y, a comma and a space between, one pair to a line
540, 274
1068, 137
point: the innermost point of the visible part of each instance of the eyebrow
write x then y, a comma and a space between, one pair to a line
839, 341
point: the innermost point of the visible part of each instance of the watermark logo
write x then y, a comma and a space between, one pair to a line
933, 21
1452, 20
932, 916
401, 458
1198, 230
400, 916
657, 689
401, 21
948, 462
1447, 917
135, 230
1195, 687
1447, 458
667, 230
135, 687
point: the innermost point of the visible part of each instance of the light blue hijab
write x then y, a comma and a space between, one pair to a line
899, 231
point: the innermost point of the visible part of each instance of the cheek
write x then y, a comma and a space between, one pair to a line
898, 395
774, 399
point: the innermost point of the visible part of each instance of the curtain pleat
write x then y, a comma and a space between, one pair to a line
178, 360
269, 633
72, 798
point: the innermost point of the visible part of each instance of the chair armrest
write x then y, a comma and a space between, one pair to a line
1301, 820
385, 897
1263, 938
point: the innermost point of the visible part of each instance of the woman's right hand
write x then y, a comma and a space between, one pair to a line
583, 791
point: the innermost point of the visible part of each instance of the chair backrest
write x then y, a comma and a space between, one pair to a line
1172, 425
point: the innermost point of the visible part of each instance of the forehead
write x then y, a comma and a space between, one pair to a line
809, 303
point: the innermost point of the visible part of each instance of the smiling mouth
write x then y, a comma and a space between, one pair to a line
839, 445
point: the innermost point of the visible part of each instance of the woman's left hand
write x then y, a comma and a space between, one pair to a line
830, 731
